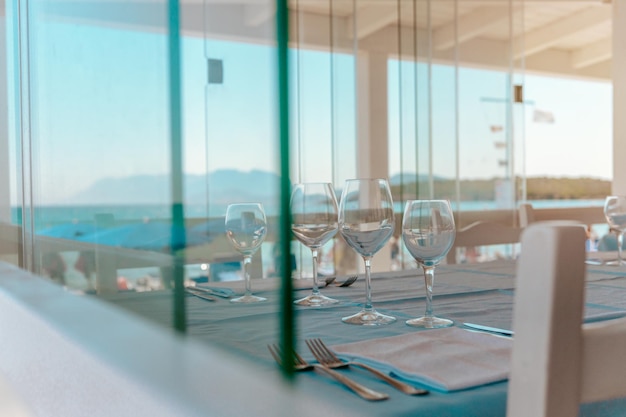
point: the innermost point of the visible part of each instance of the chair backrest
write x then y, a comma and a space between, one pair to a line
483, 233
557, 362
584, 215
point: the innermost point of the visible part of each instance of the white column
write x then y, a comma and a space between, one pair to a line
372, 131
619, 97
372, 124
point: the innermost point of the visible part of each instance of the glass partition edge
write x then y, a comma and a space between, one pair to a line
178, 216
286, 311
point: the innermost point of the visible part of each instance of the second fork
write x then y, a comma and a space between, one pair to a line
301, 365
327, 358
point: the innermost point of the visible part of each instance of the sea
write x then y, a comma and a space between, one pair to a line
47, 216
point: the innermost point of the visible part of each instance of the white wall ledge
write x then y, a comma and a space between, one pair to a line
68, 355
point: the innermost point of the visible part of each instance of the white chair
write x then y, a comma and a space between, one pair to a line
557, 362
483, 233
584, 215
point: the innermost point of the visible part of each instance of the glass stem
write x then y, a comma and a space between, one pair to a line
429, 278
247, 259
368, 285
315, 285
620, 241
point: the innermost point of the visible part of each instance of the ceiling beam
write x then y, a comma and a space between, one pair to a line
470, 26
593, 53
550, 34
258, 14
481, 53
371, 19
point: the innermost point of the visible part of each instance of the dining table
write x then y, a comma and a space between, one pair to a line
479, 293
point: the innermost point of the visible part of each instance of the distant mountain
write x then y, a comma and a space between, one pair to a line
224, 186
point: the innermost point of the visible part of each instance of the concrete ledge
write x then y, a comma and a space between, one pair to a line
68, 355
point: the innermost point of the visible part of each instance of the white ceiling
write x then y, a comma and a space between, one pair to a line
568, 38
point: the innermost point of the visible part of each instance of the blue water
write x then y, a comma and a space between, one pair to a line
47, 216
53, 215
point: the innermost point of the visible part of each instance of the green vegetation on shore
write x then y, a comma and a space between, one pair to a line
538, 188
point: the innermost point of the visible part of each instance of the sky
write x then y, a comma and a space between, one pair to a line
112, 121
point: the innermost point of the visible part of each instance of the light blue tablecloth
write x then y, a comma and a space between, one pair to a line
481, 293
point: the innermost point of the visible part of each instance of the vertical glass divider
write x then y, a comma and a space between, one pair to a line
21, 33
416, 100
456, 109
333, 121
284, 236
509, 113
178, 238
400, 103
431, 179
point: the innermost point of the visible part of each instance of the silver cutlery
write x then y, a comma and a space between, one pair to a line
218, 292
327, 358
349, 281
301, 365
489, 329
198, 294
330, 280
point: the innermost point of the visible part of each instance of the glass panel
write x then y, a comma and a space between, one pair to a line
119, 205
97, 147
10, 237
232, 146
451, 110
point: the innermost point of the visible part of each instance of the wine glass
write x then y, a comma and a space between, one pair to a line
428, 232
615, 213
366, 222
246, 227
314, 222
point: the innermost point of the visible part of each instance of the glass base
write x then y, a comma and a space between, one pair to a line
369, 318
615, 262
430, 322
248, 299
315, 300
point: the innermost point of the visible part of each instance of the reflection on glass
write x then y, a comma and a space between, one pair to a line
428, 232
366, 221
314, 222
246, 227
615, 213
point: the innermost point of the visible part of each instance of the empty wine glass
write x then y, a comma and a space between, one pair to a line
366, 222
314, 222
615, 213
428, 232
246, 227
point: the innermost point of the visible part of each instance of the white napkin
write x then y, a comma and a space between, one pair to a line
448, 359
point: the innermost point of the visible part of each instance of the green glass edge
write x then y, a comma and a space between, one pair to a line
287, 318
178, 237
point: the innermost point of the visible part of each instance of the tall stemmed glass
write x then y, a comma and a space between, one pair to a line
428, 232
366, 221
314, 222
246, 227
615, 213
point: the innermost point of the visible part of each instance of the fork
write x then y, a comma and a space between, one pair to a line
349, 281
327, 358
301, 365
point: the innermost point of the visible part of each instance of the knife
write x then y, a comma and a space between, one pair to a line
489, 329
199, 295
219, 292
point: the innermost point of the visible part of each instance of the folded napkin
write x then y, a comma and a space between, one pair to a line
448, 359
